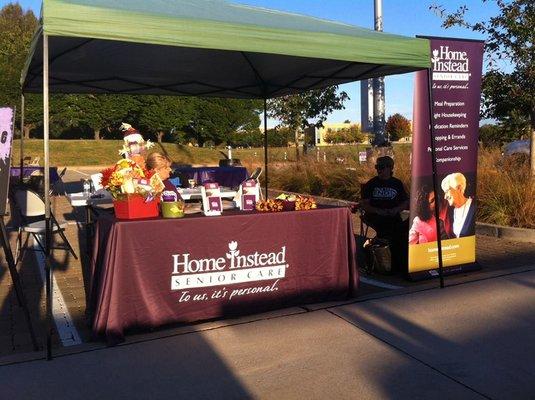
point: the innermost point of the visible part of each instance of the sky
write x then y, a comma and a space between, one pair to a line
403, 17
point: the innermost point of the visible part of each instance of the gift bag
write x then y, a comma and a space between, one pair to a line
378, 256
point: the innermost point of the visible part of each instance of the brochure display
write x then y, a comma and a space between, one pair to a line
248, 194
211, 199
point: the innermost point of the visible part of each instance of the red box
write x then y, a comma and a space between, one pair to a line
134, 207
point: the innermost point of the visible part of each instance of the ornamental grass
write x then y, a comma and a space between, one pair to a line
505, 193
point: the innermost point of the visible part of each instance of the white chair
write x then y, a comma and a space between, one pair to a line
256, 176
95, 179
32, 212
29, 161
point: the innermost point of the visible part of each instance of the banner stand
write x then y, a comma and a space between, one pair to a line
446, 271
442, 238
434, 168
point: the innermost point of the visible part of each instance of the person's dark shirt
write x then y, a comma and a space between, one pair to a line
384, 193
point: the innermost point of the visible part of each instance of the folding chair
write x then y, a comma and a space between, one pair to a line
55, 187
29, 161
256, 175
362, 216
32, 212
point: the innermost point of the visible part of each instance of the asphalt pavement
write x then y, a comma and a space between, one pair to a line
472, 340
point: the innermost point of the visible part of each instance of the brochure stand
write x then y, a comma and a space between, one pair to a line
211, 199
248, 194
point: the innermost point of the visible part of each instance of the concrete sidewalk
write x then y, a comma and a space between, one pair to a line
472, 340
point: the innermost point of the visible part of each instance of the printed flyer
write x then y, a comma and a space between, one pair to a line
6, 141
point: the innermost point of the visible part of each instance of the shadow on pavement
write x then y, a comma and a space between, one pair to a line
481, 341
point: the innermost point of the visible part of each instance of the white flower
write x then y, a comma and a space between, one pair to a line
233, 245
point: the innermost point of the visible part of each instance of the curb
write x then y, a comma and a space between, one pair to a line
506, 232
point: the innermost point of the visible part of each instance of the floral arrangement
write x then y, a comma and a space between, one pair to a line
286, 202
269, 205
126, 177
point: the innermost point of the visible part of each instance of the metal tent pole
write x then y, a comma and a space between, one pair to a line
21, 136
435, 180
265, 149
48, 232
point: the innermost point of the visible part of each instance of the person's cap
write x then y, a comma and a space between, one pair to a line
385, 161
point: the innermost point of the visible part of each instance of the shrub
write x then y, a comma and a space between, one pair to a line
397, 127
505, 194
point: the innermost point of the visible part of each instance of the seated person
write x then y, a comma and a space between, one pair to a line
162, 166
383, 198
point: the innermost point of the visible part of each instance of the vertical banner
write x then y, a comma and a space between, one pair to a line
6, 141
456, 91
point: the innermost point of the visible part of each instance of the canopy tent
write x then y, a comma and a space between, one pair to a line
201, 48
206, 48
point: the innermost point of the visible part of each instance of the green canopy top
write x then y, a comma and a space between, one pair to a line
206, 47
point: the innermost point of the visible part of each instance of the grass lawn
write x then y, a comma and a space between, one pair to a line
106, 152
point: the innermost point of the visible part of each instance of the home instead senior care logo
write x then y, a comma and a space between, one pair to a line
450, 65
191, 273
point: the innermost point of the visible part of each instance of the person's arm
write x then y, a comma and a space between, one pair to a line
367, 207
366, 198
413, 232
404, 205
404, 202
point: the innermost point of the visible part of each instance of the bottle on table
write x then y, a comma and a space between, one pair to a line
86, 187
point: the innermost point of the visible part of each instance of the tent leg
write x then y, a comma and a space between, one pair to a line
48, 232
435, 180
21, 136
265, 149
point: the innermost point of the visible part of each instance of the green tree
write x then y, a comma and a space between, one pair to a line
297, 111
509, 83
351, 134
160, 115
249, 138
279, 136
397, 127
103, 113
16, 30
217, 119
491, 135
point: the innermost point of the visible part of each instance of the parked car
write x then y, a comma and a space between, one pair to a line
516, 147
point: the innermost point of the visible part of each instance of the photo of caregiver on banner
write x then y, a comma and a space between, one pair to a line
456, 91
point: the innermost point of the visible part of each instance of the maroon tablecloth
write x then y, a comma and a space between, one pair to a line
148, 273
